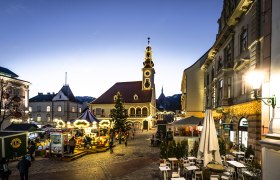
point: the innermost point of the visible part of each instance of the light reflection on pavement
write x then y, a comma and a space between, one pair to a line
136, 161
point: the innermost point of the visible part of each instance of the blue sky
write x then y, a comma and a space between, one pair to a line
101, 42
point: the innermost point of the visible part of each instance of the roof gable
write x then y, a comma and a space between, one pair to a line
60, 96
128, 91
8, 73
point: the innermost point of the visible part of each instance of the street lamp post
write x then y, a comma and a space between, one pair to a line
255, 79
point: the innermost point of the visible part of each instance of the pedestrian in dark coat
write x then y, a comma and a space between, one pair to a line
4, 169
72, 144
23, 167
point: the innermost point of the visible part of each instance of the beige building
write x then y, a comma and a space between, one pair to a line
138, 97
192, 88
270, 87
13, 88
240, 47
53, 107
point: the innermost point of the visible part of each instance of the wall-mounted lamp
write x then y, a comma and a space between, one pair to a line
199, 126
255, 79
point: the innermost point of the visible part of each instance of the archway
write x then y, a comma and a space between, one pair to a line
145, 124
243, 132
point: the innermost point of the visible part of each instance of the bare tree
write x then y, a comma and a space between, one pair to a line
9, 102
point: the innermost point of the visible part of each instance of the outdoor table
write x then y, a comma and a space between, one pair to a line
237, 165
191, 168
164, 169
179, 178
173, 159
192, 160
218, 168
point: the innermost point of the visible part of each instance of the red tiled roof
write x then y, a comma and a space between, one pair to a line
127, 90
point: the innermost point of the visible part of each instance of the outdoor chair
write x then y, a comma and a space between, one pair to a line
214, 177
197, 175
223, 177
165, 161
176, 174
249, 160
230, 171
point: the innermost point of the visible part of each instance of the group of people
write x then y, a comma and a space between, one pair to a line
22, 166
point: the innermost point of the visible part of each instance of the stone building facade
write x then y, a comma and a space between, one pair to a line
239, 48
16, 91
53, 107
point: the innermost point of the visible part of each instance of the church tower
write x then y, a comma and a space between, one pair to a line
148, 70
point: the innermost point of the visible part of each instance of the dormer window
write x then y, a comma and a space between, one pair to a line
135, 97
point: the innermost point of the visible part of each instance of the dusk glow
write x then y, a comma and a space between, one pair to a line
99, 43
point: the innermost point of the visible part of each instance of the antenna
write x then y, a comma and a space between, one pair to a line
65, 78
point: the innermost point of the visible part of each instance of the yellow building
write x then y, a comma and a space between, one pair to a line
138, 97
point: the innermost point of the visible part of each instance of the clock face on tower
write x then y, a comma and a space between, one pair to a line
147, 73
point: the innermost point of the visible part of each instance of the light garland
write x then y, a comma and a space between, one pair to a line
81, 124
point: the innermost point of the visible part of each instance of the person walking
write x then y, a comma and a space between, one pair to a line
72, 144
4, 169
31, 150
125, 141
23, 167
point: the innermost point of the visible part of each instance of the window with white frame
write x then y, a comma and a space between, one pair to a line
59, 109
135, 97
48, 108
73, 109
39, 118
48, 117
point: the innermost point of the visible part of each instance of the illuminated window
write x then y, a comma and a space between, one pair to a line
48, 108
59, 108
73, 109
30, 109
48, 117
39, 118
80, 110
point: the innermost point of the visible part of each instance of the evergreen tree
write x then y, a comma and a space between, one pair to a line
119, 116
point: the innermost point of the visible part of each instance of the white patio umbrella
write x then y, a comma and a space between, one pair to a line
208, 146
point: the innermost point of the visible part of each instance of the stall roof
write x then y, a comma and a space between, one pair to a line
88, 116
192, 120
8, 133
22, 127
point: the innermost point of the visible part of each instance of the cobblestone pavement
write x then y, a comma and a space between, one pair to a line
137, 161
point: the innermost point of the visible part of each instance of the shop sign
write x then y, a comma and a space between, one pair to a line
15, 143
228, 126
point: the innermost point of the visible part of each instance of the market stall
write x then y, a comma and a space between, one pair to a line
13, 144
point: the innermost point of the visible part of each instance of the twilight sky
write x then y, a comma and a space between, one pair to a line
101, 42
